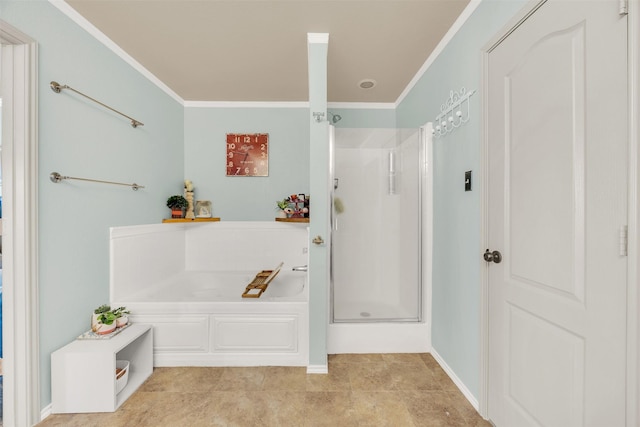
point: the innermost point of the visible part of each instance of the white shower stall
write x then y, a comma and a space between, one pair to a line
378, 295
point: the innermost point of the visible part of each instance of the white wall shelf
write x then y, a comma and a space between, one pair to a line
83, 372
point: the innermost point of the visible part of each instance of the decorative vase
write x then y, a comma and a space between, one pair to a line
282, 214
176, 213
189, 196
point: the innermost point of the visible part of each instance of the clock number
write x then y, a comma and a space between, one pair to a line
261, 162
255, 171
230, 165
247, 138
231, 146
231, 154
262, 147
263, 155
246, 170
236, 139
237, 171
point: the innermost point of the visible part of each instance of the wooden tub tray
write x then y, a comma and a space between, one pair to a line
260, 283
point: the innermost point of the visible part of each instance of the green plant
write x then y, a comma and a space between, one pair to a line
120, 311
107, 318
102, 309
177, 202
282, 204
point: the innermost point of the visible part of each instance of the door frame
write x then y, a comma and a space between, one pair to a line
20, 225
633, 285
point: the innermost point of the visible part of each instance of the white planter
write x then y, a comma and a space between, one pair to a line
122, 321
99, 327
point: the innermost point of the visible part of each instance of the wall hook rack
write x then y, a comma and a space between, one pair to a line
57, 88
56, 177
453, 113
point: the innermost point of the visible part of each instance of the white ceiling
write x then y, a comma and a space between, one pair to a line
242, 50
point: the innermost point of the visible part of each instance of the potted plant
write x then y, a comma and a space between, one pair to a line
103, 321
282, 205
122, 317
177, 204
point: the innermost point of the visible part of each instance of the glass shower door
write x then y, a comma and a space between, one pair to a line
376, 236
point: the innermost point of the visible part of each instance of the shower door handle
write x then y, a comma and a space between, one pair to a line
318, 240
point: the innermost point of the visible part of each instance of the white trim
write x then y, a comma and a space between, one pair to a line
457, 381
457, 25
72, 14
510, 26
363, 105
633, 284
291, 104
244, 104
20, 228
322, 38
46, 411
318, 369
427, 228
483, 397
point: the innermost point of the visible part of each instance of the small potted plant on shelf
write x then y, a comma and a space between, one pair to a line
282, 205
122, 317
103, 321
177, 204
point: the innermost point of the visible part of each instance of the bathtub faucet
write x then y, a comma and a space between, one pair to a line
300, 268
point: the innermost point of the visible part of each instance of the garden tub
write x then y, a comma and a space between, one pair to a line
187, 280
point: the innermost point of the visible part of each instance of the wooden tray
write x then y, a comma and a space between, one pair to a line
260, 283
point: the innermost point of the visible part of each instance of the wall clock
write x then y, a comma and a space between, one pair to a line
247, 154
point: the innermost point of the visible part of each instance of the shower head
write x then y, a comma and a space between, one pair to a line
335, 118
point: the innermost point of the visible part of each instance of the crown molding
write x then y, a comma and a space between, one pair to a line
244, 104
363, 105
72, 14
457, 25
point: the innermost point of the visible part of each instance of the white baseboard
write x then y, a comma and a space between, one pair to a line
465, 391
45, 412
318, 369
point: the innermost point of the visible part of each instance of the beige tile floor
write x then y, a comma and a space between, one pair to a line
360, 390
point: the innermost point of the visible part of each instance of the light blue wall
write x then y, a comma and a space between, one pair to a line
456, 218
247, 198
364, 117
79, 138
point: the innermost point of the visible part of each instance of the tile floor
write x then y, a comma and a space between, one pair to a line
360, 390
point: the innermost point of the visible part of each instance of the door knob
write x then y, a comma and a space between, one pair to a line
494, 256
317, 240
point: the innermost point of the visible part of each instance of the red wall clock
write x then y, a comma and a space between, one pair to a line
247, 154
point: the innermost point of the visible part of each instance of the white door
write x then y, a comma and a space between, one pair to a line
557, 199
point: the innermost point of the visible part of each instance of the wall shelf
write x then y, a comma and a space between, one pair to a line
292, 219
191, 220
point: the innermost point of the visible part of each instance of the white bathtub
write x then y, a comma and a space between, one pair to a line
174, 278
223, 286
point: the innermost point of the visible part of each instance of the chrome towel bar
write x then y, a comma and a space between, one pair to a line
56, 177
57, 88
